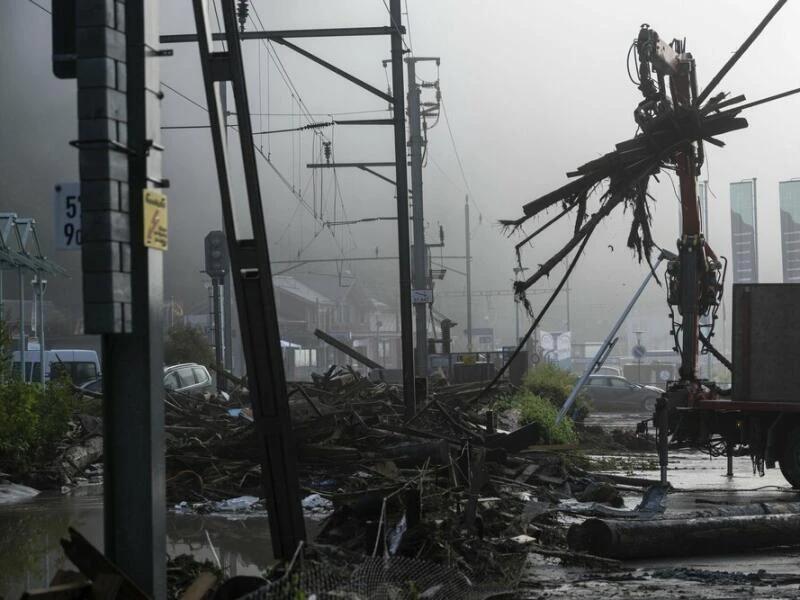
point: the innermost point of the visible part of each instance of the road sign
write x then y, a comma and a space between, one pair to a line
155, 220
67, 216
638, 351
422, 296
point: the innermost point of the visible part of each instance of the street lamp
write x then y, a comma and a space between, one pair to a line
39, 286
378, 325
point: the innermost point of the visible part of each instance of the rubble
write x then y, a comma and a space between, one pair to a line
438, 488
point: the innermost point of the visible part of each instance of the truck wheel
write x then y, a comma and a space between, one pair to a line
649, 404
790, 461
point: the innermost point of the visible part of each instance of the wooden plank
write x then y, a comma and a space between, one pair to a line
200, 586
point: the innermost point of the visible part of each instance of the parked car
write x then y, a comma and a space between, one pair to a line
615, 393
188, 379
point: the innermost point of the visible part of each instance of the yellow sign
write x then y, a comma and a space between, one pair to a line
156, 234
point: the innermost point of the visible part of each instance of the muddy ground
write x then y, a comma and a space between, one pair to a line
698, 483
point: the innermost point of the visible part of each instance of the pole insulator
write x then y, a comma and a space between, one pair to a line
243, 10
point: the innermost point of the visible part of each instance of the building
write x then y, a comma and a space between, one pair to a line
343, 308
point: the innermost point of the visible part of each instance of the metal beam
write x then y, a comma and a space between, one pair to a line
378, 175
252, 279
180, 38
350, 351
356, 165
333, 68
342, 260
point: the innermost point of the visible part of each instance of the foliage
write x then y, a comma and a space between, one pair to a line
33, 420
5, 351
186, 343
536, 409
554, 385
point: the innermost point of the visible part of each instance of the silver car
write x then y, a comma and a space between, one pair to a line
612, 393
190, 379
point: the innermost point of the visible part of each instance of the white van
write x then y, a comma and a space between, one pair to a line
80, 365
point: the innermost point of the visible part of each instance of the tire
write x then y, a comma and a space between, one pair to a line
790, 458
649, 404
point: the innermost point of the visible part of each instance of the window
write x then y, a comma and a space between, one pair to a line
186, 376
619, 383
83, 372
171, 381
597, 381
201, 375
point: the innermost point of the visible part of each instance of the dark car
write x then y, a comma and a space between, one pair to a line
189, 378
614, 393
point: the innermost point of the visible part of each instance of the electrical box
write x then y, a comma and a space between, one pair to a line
766, 342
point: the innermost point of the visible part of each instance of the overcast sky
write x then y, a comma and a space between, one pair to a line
531, 90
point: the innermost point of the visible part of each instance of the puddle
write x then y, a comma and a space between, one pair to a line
30, 531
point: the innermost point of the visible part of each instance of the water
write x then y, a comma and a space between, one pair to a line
30, 531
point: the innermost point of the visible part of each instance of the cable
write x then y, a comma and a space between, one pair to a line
628, 65
219, 23
408, 26
458, 158
36, 4
269, 47
397, 26
335, 114
184, 96
535, 324
443, 172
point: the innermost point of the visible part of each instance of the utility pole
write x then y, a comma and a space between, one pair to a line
401, 177
227, 288
124, 227
469, 276
112, 49
422, 284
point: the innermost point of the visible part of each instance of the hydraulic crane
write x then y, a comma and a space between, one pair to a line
760, 419
695, 278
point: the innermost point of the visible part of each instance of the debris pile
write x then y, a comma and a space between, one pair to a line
442, 487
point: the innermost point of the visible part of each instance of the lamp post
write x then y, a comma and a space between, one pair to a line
39, 286
378, 325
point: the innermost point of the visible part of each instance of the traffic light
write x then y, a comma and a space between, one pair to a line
216, 255
446, 326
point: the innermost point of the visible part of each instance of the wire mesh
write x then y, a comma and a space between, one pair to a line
394, 578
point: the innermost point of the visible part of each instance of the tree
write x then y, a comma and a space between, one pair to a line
186, 343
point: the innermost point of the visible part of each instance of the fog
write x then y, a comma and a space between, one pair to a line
531, 90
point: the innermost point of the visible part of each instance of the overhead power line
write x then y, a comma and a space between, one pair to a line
184, 96
36, 4
458, 158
